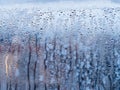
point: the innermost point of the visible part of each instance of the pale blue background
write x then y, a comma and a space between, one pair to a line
44, 1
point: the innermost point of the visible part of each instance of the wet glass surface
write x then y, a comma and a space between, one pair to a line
73, 49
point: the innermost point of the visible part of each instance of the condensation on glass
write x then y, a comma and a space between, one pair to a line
60, 49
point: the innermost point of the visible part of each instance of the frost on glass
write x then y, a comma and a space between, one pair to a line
60, 49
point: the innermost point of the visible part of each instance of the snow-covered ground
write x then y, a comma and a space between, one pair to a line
60, 48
